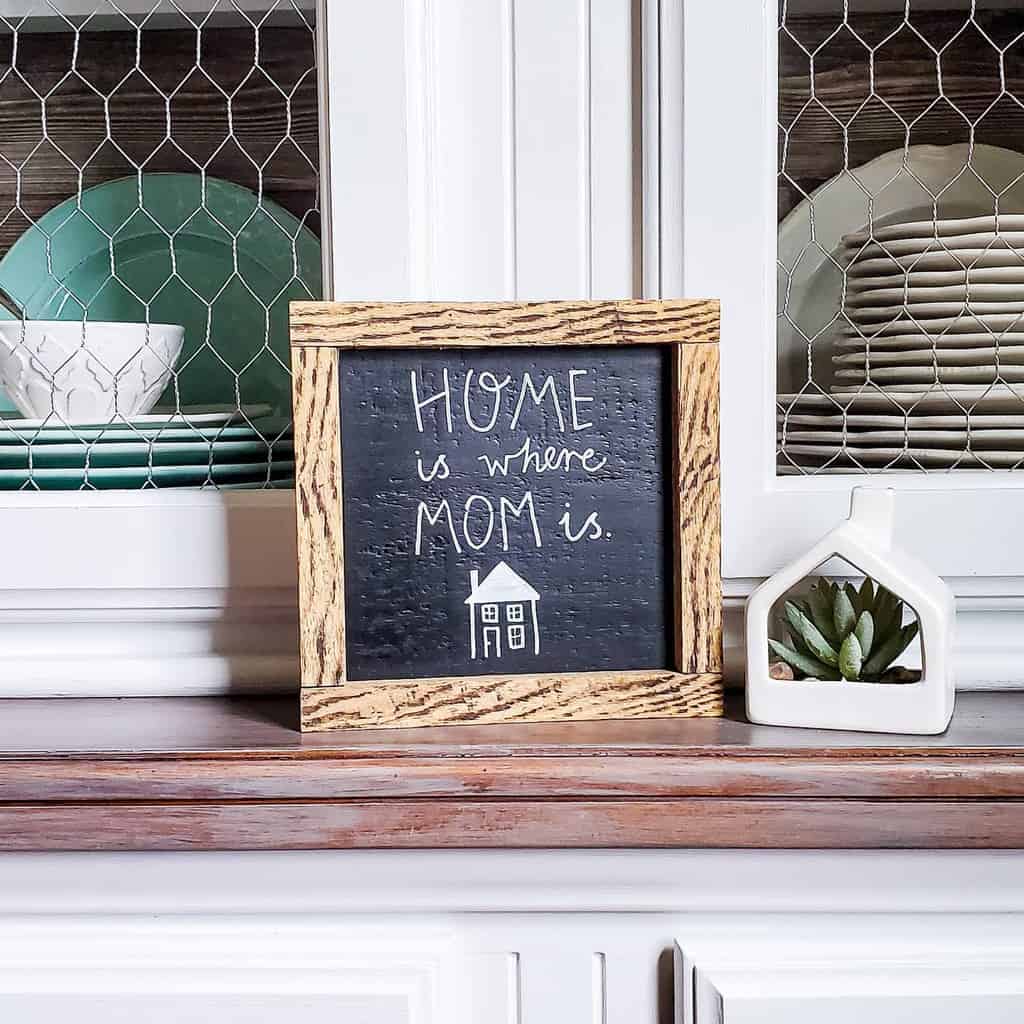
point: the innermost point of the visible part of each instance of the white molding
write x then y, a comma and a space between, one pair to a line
322, 969
936, 968
516, 881
960, 524
126, 593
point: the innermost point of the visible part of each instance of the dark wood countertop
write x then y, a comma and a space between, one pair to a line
203, 773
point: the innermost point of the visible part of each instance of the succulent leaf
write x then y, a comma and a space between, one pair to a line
850, 657
844, 615
804, 663
865, 632
866, 595
812, 636
820, 601
890, 650
888, 613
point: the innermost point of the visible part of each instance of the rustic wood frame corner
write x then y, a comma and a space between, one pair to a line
321, 330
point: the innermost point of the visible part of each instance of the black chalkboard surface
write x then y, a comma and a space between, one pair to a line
505, 510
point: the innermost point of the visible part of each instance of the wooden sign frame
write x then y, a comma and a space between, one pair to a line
319, 331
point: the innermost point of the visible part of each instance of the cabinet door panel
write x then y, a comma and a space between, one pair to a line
169, 1007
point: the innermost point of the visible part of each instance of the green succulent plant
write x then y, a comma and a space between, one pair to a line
840, 632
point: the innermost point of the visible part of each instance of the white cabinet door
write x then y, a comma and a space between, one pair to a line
914, 970
961, 523
260, 970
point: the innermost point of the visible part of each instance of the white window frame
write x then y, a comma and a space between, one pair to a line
515, 613
489, 614
517, 637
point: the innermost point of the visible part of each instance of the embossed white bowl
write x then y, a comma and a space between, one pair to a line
86, 372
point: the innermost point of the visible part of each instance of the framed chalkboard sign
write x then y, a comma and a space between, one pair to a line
507, 511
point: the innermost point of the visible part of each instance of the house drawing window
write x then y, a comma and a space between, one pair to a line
503, 596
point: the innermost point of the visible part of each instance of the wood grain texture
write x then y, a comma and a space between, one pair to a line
978, 99
696, 509
482, 324
318, 514
577, 696
180, 773
516, 824
267, 126
321, 329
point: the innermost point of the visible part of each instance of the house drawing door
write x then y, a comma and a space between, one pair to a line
492, 641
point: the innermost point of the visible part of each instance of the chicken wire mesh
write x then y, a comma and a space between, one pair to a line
901, 237
159, 184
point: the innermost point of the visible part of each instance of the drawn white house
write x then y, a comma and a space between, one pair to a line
502, 613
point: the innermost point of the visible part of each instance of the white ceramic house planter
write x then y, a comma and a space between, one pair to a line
865, 541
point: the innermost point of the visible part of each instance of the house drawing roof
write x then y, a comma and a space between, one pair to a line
502, 584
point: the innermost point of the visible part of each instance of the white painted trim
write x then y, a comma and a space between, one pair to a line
961, 524
516, 881
795, 971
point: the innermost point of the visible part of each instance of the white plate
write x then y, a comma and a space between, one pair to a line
889, 376
996, 323
923, 400
897, 186
1009, 242
931, 311
923, 342
881, 421
935, 457
1005, 355
906, 293
893, 277
932, 228
961, 260
952, 439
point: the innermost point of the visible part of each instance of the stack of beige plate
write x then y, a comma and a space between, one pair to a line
929, 364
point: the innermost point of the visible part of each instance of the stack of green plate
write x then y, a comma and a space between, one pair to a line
237, 448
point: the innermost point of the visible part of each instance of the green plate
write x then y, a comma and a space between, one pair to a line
140, 453
174, 250
254, 474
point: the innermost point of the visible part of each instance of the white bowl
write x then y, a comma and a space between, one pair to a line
86, 372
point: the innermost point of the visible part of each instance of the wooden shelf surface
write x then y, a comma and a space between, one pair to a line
180, 773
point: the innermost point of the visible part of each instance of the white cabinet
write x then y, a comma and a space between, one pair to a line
528, 937
888, 970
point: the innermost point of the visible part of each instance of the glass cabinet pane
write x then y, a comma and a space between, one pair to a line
159, 209
901, 236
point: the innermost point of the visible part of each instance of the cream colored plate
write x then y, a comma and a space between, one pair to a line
851, 342
914, 421
898, 186
912, 294
936, 457
896, 278
1006, 355
931, 228
931, 311
1009, 242
943, 260
973, 324
922, 400
952, 439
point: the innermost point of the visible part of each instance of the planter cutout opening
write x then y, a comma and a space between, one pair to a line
855, 634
